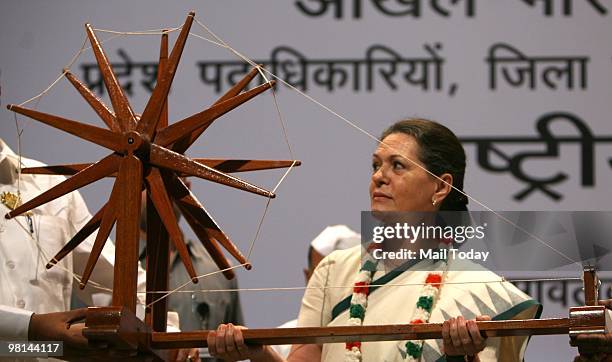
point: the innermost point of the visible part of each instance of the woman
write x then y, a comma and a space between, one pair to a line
413, 170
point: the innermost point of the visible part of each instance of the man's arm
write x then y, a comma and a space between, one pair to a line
22, 325
60, 326
15, 323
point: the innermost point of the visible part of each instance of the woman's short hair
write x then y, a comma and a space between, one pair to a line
440, 151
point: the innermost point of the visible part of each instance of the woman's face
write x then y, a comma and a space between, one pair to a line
397, 184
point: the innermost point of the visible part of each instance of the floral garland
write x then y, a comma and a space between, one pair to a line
424, 305
359, 302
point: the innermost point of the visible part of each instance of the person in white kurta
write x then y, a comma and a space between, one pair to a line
485, 294
28, 242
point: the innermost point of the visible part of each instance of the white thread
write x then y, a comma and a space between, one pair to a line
258, 229
19, 133
177, 289
72, 60
140, 32
67, 67
280, 117
208, 40
224, 44
502, 280
285, 175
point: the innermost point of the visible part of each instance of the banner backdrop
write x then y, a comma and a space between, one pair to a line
525, 84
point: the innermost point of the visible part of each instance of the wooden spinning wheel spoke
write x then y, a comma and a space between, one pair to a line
66, 170
109, 216
231, 166
184, 143
206, 228
87, 132
200, 121
163, 63
91, 174
211, 245
238, 87
123, 111
158, 194
153, 109
212, 230
92, 225
98, 106
173, 161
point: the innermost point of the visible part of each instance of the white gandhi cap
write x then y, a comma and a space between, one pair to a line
337, 237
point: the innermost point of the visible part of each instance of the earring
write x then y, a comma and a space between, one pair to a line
433, 201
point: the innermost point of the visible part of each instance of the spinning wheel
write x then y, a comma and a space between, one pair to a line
148, 154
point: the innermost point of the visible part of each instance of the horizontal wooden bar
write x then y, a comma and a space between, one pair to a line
319, 335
